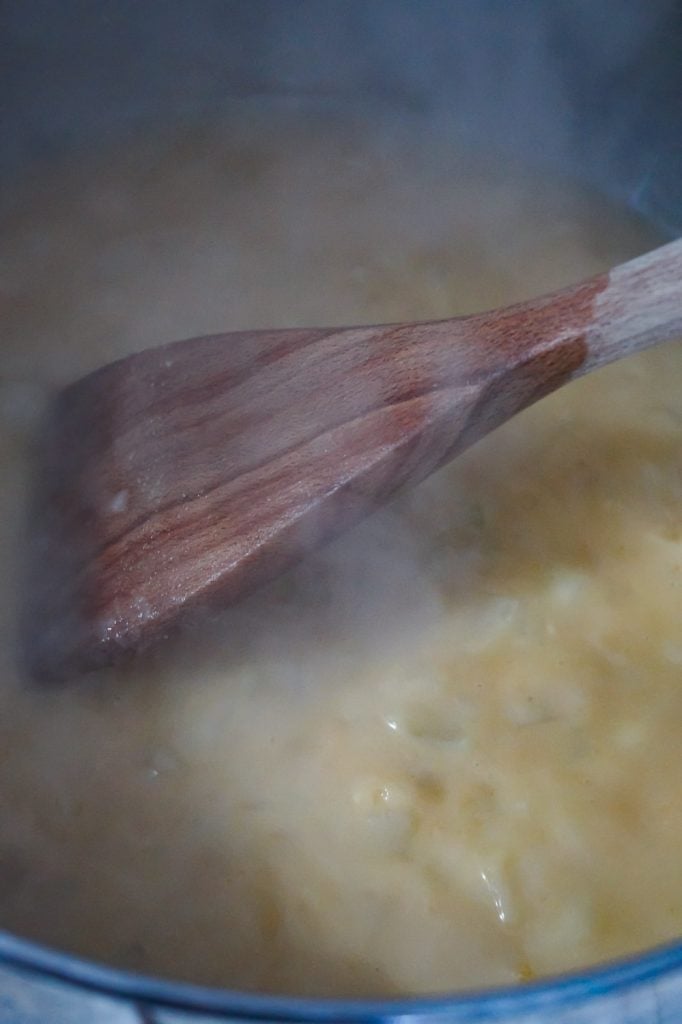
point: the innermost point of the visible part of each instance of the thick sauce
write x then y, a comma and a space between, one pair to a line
446, 751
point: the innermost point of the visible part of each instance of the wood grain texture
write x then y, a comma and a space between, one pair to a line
187, 475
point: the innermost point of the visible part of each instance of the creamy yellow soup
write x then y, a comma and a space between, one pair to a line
446, 751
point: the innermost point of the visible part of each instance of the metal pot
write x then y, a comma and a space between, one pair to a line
591, 86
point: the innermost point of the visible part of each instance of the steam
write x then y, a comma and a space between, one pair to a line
338, 183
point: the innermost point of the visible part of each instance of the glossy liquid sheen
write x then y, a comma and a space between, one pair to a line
447, 750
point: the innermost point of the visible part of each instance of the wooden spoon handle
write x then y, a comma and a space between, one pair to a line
640, 307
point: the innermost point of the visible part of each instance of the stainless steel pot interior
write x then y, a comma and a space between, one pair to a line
594, 88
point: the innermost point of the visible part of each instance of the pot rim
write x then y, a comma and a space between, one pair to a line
613, 978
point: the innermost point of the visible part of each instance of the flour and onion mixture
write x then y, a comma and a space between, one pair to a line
447, 750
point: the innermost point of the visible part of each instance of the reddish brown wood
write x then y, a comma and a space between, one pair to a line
189, 474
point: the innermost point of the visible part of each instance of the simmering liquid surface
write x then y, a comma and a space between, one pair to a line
447, 750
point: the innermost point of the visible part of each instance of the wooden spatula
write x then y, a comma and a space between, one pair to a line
187, 475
